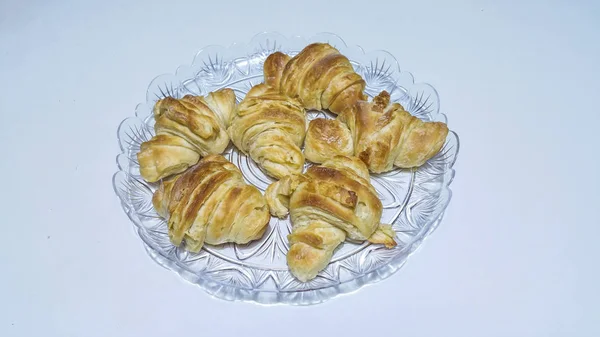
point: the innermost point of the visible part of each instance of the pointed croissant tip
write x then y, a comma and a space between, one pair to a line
227, 91
276, 54
273, 68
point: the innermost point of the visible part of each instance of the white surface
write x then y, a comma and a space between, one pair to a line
516, 255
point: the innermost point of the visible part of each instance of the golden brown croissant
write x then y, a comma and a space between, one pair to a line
270, 128
378, 134
319, 77
385, 135
186, 129
210, 203
327, 204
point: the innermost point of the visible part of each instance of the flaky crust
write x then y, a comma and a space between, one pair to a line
327, 204
319, 77
385, 135
326, 138
186, 129
210, 203
273, 69
270, 128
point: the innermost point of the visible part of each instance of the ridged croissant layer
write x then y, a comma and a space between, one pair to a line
327, 204
320, 77
381, 134
211, 203
270, 128
186, 129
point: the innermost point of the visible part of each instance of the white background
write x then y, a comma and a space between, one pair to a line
517, 253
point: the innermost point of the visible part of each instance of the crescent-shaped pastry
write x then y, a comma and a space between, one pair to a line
327, 204
320, 77
385, 135
211, 203
186, 129
270, 128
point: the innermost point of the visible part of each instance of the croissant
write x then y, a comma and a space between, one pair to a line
270, 128
186, 129
210, 203
385, 135
319, 77
327, 204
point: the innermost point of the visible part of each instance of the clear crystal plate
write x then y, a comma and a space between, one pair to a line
414, 200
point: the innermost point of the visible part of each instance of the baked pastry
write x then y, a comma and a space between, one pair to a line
327, 204
270, 128
319, 77
210, 203
385, 135
186, 129
326, 138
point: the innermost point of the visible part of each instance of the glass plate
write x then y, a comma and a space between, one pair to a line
414, 200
